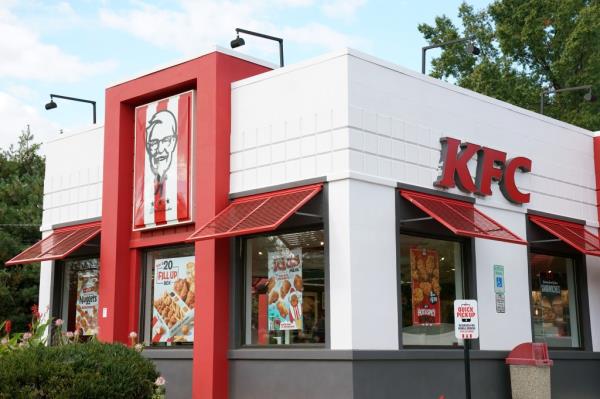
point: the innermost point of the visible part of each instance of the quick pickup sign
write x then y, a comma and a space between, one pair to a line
466, 319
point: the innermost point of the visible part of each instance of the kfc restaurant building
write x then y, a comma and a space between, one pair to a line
304, 231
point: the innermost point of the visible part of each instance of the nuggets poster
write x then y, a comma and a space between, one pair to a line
425, 276
285, 288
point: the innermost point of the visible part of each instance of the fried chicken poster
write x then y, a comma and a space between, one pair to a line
174, 300
86, 319
425, 276
284, 290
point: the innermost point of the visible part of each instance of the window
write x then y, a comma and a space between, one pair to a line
80, 296
168, 314
285, 289
553, 297
431, 279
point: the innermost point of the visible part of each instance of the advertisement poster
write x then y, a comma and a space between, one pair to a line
86, 318
425, 274
551, 298
284, 290
174, 300
162, 183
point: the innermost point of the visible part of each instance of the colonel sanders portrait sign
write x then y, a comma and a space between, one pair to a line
163, 145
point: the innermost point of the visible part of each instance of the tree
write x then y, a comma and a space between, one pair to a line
21, 194
526, 46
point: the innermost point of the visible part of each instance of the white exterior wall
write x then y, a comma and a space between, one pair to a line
362, 266
503, 331
72, 189
289, 124
351, 117
73, 182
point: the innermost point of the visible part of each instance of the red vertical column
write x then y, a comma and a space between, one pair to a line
213, 124
115, 274
211, 75
211, 328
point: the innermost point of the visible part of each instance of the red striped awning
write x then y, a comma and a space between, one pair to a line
571, 233
57, 245
460, 217
256, 213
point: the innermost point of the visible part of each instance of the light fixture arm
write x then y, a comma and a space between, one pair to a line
53, 96
424, 49
277, 39
543, 93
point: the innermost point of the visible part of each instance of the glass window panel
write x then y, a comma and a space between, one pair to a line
80, 300
555, 318
171, 290
285, 289
431, 279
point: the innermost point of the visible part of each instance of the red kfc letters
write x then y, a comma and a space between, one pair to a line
491, 166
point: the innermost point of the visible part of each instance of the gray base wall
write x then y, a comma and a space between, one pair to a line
317, 373
175, 365
402, 374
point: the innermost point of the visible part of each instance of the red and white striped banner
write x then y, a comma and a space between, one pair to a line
163, 152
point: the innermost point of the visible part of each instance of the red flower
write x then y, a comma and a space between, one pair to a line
8, 326
35, 311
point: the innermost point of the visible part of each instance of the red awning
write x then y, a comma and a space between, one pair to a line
57, 245
573, 234
461, 217
256, 213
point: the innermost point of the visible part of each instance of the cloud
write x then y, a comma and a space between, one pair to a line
197, 25
26, 57
16, 115
321, 35
342, 9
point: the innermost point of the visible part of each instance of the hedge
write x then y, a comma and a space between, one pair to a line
89, 370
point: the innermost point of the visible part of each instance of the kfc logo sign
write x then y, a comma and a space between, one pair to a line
163, 154
492, 165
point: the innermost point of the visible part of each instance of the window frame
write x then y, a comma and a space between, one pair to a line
237, 270
59, 281
576, 262
240, 274
581, 281
145, 295
406, 210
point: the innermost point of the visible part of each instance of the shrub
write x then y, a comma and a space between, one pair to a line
88, 370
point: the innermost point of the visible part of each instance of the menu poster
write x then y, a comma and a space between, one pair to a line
174, 300
86, 318
425, 276
552, 301
284, 290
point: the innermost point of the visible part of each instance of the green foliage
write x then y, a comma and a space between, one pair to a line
526, 46
36, 336
90, 370
21, 193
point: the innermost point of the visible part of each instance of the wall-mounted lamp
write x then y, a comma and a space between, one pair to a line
471, 49
238, 41
52, 104
588, 96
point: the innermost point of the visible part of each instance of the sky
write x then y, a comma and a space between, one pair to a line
78, 48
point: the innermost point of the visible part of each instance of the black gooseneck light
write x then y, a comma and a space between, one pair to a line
52, 104
238, 41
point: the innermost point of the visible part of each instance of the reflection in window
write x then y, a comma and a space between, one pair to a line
285, 289
553, 297
431, 279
